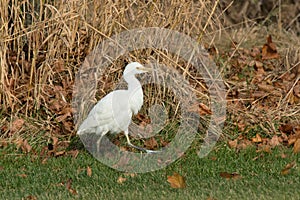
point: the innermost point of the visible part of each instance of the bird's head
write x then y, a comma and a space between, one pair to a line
135, 68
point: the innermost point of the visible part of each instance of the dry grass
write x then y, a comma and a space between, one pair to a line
43, 43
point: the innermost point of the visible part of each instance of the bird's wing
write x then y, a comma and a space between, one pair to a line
136, 101
99, 116
103, 116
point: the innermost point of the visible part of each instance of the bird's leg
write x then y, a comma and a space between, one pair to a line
136, 147
98, 142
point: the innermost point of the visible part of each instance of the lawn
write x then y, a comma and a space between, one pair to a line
223, 174
46, 49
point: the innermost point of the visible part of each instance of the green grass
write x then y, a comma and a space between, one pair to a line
260, 178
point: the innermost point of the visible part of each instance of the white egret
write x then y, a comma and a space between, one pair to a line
113, 112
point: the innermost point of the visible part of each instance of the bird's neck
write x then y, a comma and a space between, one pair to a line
135, 93
133, 83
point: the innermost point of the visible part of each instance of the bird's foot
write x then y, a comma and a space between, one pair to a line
152, 151
143, 149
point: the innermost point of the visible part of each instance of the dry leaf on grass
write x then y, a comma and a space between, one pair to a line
30, 197
22, 175
213, 158
230, 175
3, 143
54, 141
26, 147
233, 143
66, 112
176, 181
59, 153
23, 144
130, 174
204, 109
292, 139
244, 144
73, 153
265, 87
211, 198
240, 143
275, 141
89, 171
121, 180
297, 90
296, 148
16, 125
151, 143
69, 187
257, 139
283, 155
264, 148
287, 168
269, 50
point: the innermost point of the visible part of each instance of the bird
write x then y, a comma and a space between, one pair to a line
113, 113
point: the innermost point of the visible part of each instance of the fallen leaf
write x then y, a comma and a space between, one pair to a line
257, 139
214, 158
285, 171
30, 197
233, 143
297, 90
121, 180
143, 118
73, 153
258, 64
269, 50
22, 175
23, 144
287, 168
286, 128
230, 175
258, 94
296, 129
69, 183
44, 161
176, 181
89, 171
244, 144
66, 112
260, 70
274, 141
210, 198
3, 144
130, 174
296, 148
264, 148
200, 108
73, 191
151, 143
59, 153
204, 109
69, 186
16, 125
54, 142
255, 52
26, 147
265, 87
59, 66
283, 155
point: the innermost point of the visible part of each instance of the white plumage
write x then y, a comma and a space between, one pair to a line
113, 112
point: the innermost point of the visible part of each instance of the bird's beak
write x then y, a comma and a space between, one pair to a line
145, 69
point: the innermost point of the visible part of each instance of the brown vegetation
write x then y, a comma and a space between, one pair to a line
44, 43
